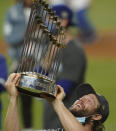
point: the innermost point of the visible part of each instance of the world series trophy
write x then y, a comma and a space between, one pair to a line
41, 54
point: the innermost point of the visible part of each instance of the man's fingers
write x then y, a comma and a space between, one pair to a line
17, 78
14, 77
11, 77
17, 83
60, 89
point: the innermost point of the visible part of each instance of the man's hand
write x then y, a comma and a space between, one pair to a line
60, 93
11, 83
12, 119
59, 96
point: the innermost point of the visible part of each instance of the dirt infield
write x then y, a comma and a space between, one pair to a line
104, 46
3, 48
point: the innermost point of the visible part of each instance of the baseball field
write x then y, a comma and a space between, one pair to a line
101, 55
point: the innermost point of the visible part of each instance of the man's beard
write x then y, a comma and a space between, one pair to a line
79, 113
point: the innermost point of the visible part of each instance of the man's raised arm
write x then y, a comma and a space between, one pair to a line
12, 119
69, 122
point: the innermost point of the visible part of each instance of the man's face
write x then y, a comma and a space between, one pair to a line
85, 106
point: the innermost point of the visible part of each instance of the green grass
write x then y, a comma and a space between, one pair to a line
4, 4
101, 74
102, 14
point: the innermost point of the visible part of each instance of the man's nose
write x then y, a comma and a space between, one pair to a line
83, 99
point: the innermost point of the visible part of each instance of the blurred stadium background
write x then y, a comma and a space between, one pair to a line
101, 54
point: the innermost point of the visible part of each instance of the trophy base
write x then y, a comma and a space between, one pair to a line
36, 85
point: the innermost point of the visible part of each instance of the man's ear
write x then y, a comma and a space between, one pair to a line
96, 117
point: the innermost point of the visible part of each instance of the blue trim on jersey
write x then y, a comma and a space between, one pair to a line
67, 85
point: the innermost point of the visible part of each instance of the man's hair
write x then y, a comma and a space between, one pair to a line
97, 124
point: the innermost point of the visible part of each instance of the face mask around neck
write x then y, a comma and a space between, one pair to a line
81, 119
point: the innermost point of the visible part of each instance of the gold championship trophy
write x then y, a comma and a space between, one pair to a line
41, 54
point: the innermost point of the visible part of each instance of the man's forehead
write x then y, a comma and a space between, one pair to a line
91, 96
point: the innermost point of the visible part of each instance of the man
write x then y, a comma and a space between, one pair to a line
91, 107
